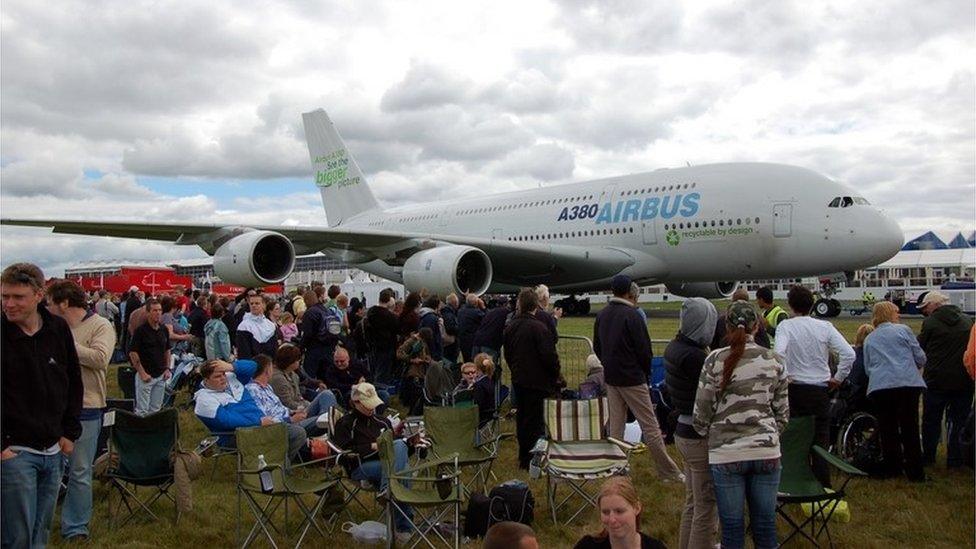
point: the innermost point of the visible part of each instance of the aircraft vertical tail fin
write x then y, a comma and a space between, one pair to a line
345, 192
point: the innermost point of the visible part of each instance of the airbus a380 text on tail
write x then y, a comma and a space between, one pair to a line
697, 229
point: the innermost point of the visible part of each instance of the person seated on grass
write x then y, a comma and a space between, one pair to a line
620, 514
510, 535
292, 389
477, 376
266, 399
358, 432
223, 404
344, 373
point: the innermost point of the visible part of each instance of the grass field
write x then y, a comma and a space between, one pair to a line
890, 514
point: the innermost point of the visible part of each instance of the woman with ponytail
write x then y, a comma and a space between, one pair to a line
742, 407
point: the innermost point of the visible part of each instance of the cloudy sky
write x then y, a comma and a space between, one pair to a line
189, 111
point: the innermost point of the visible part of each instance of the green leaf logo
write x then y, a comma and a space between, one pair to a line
673, 238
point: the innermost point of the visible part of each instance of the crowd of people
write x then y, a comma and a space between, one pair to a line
734, 380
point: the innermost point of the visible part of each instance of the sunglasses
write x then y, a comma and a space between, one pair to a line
25, 278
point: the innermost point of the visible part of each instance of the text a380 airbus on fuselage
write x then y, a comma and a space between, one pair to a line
697, 229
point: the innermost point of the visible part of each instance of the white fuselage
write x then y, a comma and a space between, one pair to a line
742, 221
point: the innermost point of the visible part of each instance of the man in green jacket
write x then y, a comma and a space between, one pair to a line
945, 333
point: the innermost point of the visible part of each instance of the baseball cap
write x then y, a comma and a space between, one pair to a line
365, 394
620, 284
741, 315
934, 297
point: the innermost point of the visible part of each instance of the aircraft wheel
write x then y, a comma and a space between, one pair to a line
822, 308
835, 308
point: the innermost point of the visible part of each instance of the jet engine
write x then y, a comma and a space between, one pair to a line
708, 290
255, 258
446, 269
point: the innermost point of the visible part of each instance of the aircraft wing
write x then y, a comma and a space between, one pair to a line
512, 262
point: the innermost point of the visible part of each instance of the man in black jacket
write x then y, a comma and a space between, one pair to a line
41, 407
381, 327
531, 354
469, 319
621, 342
949, 393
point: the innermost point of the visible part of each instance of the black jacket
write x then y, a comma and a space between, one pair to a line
531, 354
41, 384
248, 347
546, 318
683, 360
491, 333
381, 329
944, 336
357, 433
469, 320
621, 342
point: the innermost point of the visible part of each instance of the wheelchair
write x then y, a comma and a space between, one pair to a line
855, 436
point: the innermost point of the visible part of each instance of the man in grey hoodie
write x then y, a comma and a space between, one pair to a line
683, 360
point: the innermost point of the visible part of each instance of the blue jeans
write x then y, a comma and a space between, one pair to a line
28, 492
955, 406
322, 403
149, 395
76, 509
755, 481
372, 471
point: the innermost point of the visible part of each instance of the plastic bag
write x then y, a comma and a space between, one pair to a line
369, 532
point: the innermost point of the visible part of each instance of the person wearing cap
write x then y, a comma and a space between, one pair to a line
621, 341
357, 432
805, 344
742, 406
683, 360
944, 335
40, 407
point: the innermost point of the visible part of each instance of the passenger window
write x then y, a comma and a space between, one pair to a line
834, 203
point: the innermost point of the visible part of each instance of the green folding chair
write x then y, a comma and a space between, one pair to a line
455, 431
144, 446
288, 482
431, 488
798, 484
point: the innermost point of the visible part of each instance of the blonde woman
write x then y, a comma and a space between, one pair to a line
892, 358
620, 515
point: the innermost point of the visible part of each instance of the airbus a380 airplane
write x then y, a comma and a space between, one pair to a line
696, 229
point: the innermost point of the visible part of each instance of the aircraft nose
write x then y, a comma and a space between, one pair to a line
889, 238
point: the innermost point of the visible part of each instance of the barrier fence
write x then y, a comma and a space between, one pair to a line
573, 350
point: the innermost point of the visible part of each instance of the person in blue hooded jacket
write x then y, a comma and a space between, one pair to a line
223, 404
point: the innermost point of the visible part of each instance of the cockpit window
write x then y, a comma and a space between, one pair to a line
860, 201
846, 202
834, 203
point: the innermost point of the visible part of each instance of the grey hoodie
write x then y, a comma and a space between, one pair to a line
698, 318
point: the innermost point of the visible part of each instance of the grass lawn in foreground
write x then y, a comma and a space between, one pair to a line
891, 513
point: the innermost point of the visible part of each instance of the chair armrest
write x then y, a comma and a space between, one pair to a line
541, 446
636, 448
453, 475
840, 464
257, 471
427, 464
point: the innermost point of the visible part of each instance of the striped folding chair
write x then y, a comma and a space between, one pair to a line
575, 452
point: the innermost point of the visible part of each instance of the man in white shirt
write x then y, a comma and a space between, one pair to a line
805, 344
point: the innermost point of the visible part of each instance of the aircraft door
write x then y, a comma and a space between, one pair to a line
782, 220
649, 231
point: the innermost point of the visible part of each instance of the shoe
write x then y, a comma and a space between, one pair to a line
76, 539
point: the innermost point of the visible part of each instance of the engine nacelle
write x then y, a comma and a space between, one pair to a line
255, 258
447, 269
708, 290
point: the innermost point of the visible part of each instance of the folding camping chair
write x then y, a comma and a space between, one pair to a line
797, 484
430, 488
288, 482
454, 431
576, 453
144, 446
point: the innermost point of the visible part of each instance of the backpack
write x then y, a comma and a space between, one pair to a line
476, 519
511, 501
331, 325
